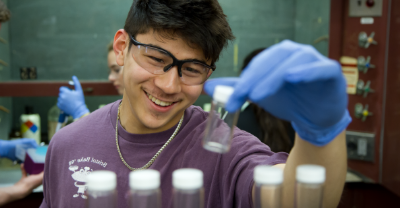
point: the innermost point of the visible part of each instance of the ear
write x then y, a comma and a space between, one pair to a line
209, 73
121, 43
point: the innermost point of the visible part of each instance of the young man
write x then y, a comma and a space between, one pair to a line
168, 50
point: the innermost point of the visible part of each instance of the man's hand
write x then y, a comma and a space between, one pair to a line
7, 148
22, 188
72, 102
294, 82
27, 183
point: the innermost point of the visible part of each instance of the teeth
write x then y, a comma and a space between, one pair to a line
157, 101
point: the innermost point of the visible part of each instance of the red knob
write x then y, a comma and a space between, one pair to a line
370, 3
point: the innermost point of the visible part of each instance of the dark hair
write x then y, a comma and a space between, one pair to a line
275, 131
250, 56
4, 13
201, 23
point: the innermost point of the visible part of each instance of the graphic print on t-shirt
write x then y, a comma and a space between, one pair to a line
79, 176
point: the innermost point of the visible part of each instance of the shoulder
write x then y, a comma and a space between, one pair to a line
197, 113
195, 117
97, 121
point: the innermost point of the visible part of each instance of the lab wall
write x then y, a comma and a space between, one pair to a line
311, 23
262, 23
5, 74
65, 38
61, 39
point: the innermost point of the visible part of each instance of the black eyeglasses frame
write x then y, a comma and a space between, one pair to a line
175, 61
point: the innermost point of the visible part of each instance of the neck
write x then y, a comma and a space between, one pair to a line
132, 124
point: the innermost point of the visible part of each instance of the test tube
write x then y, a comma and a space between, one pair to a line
309, 187
188, 188
268, 186
145, 189
220, 123
101, 191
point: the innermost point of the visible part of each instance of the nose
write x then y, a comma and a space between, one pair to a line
111, 77
169, 82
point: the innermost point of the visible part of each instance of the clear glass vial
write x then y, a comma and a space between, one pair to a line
309, 187
268, 186
188, 188
144, 189
101, 191
220, 123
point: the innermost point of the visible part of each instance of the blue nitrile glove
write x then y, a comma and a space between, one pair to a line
7, 148
72, 102
294, 82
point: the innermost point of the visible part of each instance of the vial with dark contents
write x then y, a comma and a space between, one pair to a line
101, 191
310, 181
220, 123
268, 186
144, 189
188, 188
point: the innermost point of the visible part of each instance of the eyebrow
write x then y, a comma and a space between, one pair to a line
114, 66
156, 46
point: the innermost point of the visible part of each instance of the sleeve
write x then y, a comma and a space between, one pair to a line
238, 164
44, 205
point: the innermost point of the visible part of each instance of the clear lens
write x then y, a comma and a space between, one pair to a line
151, 59
194, 73
155, 60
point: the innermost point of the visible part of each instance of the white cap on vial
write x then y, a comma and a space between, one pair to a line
222, 93
187, 178
265, 174
310, 174
144, 179
102, 180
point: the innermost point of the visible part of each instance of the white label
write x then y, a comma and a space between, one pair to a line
367, 20
362, 147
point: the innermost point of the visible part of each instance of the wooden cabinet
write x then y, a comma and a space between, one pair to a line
51, 88
384, 103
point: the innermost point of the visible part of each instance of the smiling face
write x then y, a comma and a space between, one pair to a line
154, 103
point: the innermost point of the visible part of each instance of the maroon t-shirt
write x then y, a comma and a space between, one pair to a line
89, 144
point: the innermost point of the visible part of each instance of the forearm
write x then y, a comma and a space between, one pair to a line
7, 195
332, 156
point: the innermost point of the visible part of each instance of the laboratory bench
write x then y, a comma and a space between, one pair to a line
357, 192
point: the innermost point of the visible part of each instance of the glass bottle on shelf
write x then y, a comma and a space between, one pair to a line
52, 119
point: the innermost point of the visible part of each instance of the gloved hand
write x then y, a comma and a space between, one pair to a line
294, 82
7, 148
72, 102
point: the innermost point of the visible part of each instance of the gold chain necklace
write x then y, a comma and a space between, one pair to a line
156, 155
